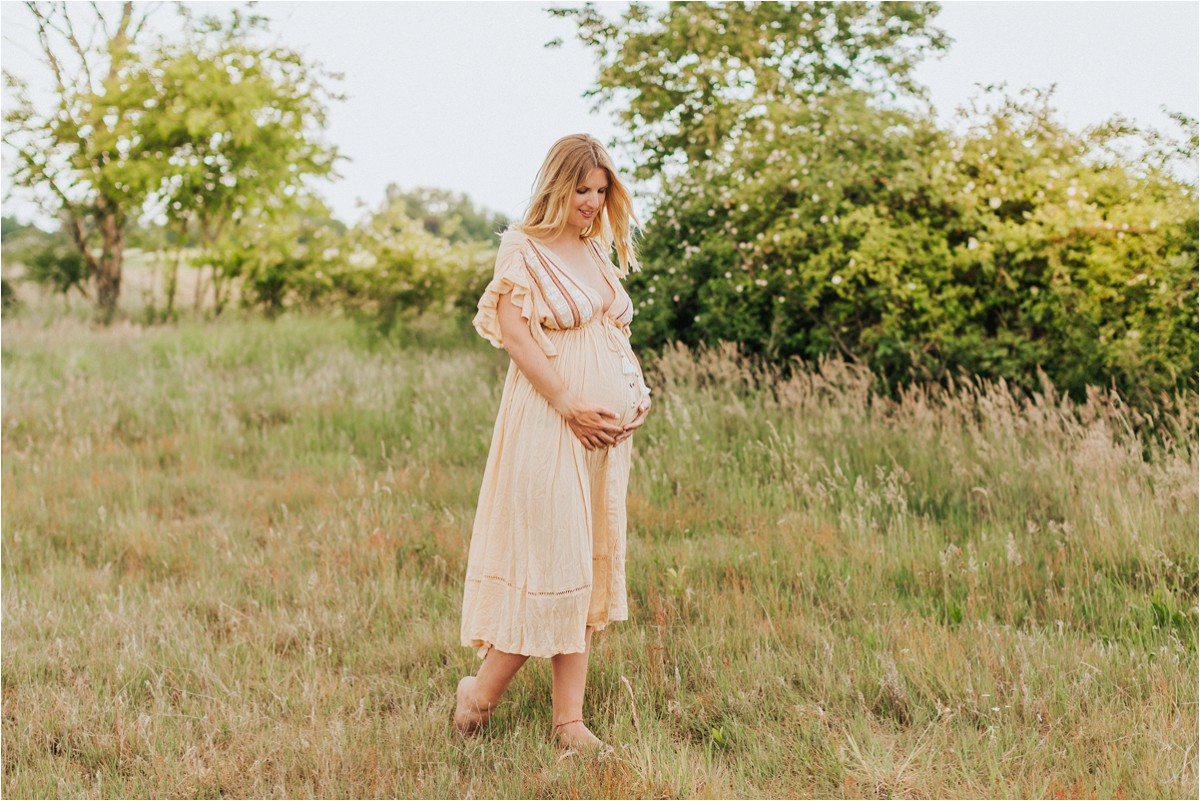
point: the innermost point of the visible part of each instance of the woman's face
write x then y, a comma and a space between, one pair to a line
589, 198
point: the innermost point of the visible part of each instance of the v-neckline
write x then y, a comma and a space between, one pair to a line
557, 261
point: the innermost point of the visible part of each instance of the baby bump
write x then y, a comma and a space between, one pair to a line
613, 388
597, 372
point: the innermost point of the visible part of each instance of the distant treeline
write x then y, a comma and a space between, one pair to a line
801, 211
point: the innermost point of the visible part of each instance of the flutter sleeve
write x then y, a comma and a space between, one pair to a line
512, 275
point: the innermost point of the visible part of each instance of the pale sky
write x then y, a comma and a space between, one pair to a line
464, 96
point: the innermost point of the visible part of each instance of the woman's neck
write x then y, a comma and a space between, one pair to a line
568, 239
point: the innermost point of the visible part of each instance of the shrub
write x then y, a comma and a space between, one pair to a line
875, 235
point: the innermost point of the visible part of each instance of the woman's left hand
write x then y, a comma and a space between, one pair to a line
643, 409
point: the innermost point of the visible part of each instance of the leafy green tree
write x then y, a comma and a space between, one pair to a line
277, 258
200, 130
389, 267
56, 264
691, 82
81, 153
448, 214
235, 136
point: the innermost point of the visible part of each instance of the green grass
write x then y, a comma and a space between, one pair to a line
233, 556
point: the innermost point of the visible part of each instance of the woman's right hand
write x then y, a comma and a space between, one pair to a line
590, 423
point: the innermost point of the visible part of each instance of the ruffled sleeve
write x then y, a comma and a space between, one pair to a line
512, 275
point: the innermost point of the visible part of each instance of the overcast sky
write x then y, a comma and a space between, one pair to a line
464, 95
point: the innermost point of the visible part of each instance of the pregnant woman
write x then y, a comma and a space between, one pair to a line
546, 565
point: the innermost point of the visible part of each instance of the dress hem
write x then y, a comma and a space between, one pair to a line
482, 646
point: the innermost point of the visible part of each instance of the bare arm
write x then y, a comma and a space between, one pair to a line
587, 420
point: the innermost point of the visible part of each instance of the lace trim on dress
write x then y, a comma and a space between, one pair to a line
582, 306
502, 580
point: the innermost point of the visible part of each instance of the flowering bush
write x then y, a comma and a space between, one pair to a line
875, 234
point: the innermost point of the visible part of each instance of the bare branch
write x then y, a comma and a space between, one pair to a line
137, 29
91, 45
43, 23
120, 40
19, 46
102, 24
68, 207
87, 70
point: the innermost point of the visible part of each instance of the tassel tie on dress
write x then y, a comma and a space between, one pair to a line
615, 341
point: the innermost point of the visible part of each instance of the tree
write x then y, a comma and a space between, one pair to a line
801, 212
11, 226
277, 256
391, 267
81, 151
234, 135
199, 129
448, 214
694, 81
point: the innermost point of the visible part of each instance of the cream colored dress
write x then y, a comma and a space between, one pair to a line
547, 553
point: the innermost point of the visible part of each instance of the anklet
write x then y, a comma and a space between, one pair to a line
554, 731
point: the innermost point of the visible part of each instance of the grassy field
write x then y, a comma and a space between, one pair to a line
233, 557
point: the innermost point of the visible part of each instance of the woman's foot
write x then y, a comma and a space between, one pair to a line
469, 713
575, 736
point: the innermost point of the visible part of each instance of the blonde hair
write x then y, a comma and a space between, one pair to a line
565, 169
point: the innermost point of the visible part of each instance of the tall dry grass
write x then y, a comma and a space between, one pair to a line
233, 556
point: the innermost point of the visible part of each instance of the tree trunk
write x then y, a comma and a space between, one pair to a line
172, 284
220, 291
108, 268
198, 300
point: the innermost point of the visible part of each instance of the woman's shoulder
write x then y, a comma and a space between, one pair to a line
512, 237
512, 244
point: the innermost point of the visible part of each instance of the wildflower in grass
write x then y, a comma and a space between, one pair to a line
1014, 556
